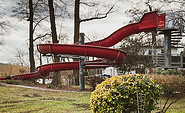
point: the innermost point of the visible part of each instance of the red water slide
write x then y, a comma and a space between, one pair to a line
150, 22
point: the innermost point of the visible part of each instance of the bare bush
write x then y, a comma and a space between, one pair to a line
94, 80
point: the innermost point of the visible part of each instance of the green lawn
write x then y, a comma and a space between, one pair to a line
23, 100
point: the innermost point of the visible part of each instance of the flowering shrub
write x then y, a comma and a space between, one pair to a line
119, 94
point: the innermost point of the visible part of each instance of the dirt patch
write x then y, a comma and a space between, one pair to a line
85, 106
32, 96
51, 98
74, 88
9, 102
27, 95
36, 95
6, 106
57, 99
18, 101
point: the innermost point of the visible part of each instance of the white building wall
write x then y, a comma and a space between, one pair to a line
112, 71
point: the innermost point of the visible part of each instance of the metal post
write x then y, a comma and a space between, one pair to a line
167, 48
81, 65
181, 59
56, 78
114, 71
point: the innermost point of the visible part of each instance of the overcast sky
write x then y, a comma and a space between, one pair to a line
17, 38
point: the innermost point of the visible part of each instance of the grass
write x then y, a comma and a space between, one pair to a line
178, 107
23, 100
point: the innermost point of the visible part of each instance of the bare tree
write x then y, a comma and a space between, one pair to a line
27, 12
31, 46
54, 38
5, 25
94, 13
20, 56
40, 11
136, 58
77, 21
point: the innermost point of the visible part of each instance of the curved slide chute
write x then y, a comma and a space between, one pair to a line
150, 22
115, 56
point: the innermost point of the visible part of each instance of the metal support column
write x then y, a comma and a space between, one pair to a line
167, 48
181, 59
81, 65
56, 74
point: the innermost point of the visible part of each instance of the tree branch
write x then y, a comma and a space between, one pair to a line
98, 15
90, 5
166, 103
38, 23
35, 6
149, 6
67, 4
42, 36
171, 104
171, 94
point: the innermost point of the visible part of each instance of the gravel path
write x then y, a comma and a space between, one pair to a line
44, 89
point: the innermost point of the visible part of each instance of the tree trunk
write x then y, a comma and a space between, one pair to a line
31, 49
54, 40
76, 35
52, 21
77, 21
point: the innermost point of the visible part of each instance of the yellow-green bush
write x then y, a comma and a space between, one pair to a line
119, 94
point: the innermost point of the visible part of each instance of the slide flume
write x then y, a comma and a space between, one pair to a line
149, 22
